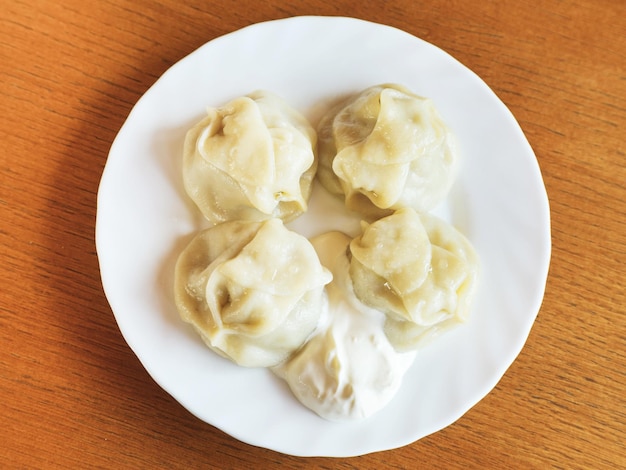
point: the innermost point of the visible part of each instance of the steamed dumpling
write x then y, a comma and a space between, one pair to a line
385, 149
253, 290
252, 159
417, 269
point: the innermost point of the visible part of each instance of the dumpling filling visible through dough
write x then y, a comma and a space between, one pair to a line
385, 149
417, 269
253, 290
257, 292
252, 159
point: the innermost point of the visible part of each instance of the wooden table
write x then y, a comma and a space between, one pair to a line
74, 395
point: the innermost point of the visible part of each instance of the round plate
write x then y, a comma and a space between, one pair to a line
145, 219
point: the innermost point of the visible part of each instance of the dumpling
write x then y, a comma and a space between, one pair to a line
384, 149
417, 269
348, 369
252, 159
253, 290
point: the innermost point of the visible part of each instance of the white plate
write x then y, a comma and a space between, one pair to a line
144, 220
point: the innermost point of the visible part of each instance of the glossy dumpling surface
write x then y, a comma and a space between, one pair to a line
384, 149
417, 269
251, 159
253, 290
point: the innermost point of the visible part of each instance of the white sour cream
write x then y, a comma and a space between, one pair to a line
347, 369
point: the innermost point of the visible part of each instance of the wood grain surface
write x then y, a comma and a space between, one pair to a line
74, 395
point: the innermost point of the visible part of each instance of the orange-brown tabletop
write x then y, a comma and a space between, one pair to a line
74, 393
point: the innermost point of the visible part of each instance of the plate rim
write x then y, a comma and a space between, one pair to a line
543, 270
